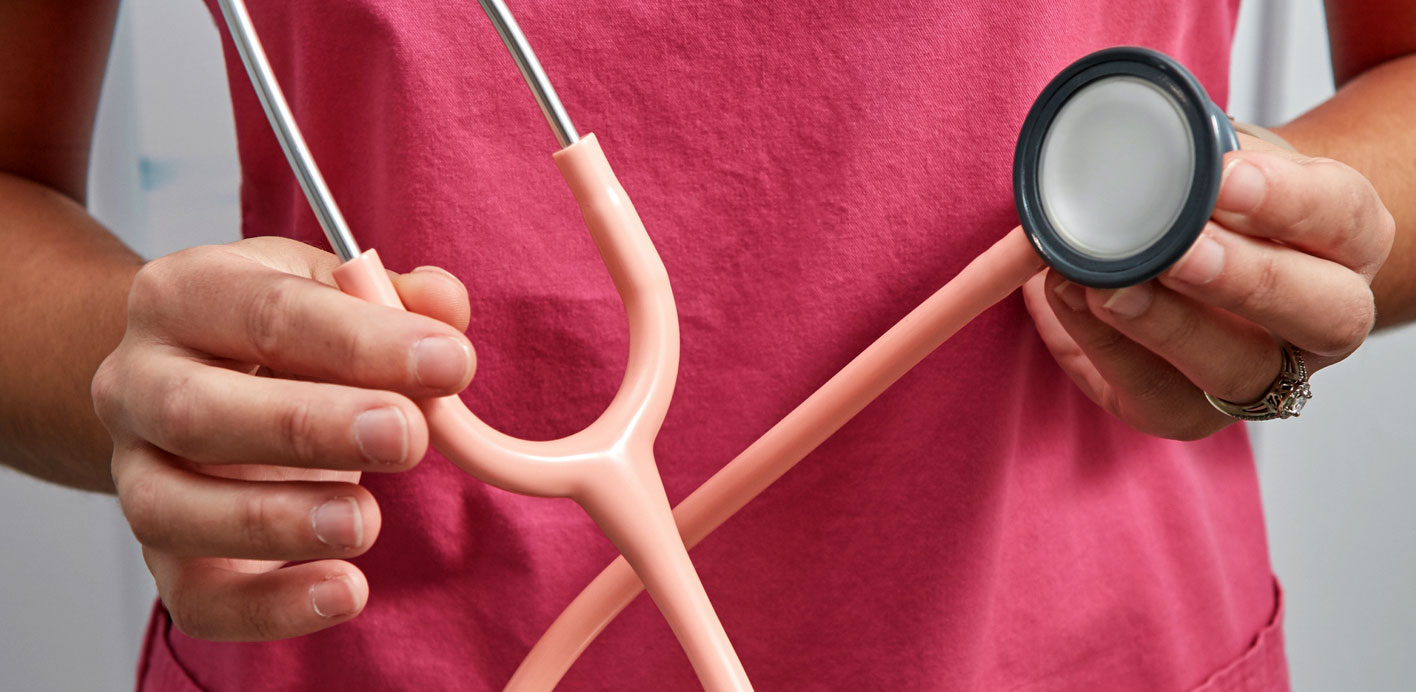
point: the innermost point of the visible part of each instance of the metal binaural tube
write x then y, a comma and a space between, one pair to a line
531, 71
282, 121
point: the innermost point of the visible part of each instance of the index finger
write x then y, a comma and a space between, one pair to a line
1319, 205
224, 304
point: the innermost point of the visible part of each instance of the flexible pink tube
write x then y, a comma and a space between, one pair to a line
989, 278
608, 468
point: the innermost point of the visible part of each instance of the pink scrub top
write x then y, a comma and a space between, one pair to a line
810, 171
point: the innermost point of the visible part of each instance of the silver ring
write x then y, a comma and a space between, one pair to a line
1285, 398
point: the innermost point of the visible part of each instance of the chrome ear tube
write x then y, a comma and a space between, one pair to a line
282, 122
530, 68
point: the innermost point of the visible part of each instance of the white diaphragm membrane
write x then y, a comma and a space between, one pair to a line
1116, 167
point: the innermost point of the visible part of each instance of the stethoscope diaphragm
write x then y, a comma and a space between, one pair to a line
1118, 166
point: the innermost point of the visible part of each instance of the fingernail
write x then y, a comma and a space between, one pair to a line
437, 270
441, 362
1242, 188
1071, 294
338, 524
1202, 264
1130, 302
333, 598
382, 435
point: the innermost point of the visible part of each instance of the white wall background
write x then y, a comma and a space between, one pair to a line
74, 594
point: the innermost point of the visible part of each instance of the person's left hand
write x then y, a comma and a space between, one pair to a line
1288, 255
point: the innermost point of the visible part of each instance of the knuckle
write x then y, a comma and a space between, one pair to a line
254, 523
1355, 333
1358, 212
258, 619
1360, 322
1331, 168
1386, 224
104, 391
140, 501
1350, 329
1143, 386
1322, 165
1307, 210
176, 425
1352, 218
1314, 183
150, 286
1106, 344
1152, 387
1385, 236
267, 318
1357, 202
297, 426
358, 348
159, 280
1175, 335
1263, 292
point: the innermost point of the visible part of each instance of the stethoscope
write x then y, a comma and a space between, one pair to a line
1116, 172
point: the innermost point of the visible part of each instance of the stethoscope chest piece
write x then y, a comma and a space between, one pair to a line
1118, 166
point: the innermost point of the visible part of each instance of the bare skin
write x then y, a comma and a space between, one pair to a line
196, 414
65, 276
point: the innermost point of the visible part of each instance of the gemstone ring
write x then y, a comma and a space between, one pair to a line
1285, 398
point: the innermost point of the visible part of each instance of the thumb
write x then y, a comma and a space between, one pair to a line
434, 292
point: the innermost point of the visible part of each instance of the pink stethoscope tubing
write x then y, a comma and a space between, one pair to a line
608, 468
989, 278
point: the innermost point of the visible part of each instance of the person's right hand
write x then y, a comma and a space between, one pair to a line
245, 398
